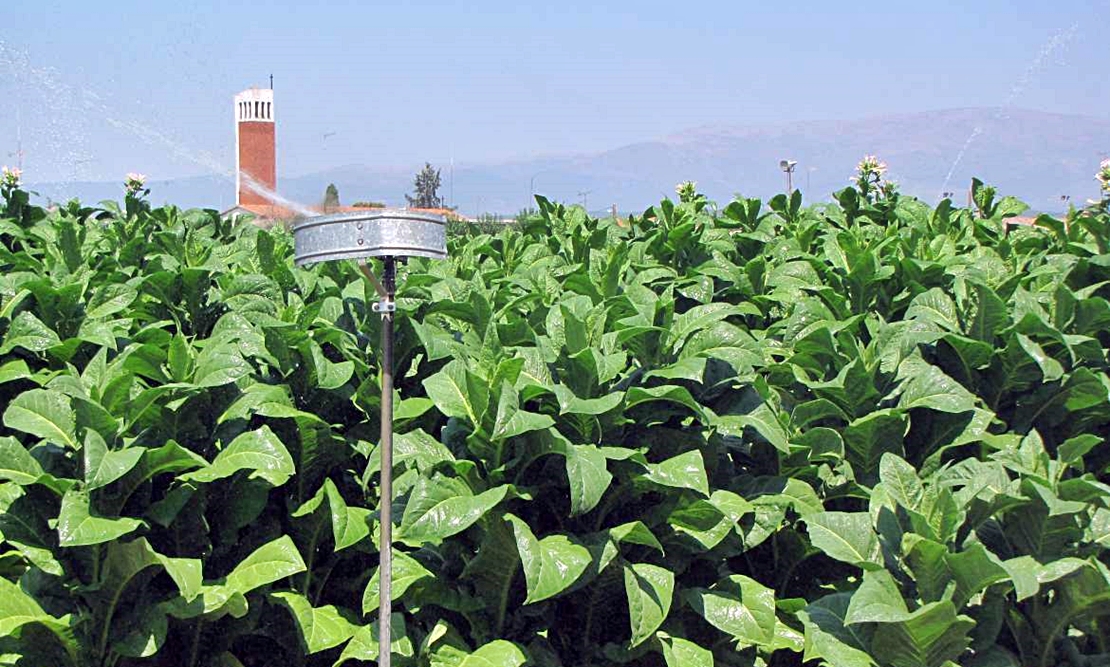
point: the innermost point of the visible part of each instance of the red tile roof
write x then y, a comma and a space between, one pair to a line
276, 212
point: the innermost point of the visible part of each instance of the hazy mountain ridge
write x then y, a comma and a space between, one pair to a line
1036, 156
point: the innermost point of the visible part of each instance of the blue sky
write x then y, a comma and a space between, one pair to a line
101, 89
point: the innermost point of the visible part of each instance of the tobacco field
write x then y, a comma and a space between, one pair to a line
866, 433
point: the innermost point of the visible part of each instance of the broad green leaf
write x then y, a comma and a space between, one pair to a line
649, 589
459, 393
497, 653
829, 637
667, 393
349, 525
679, 652
511, 421
219, 364
104, 466
588, 477
685, 471
77, 526
739, 606
110, 299
258, 451
17, 464
364, 643
28, 332
18, 609
930, 636
926, 386
877, 600
551, 565
406, 572
845, 536
321, 627
270, 562
439, 508
44, 413
13, 370
901, 481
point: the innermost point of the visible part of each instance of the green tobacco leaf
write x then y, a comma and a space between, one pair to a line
762, 419
110, 299
588, 477
846, 536
77, 526
679, 652
498, 653
28, 332
406, 572
649, 589
103, 466
739, 606
829, 637
877, 600
364, 643
18, 609
321, 627
13, 370
551, 565
17, 464
349, 525
1028, 575
930, 636
441, 507
901, 481
926, 386
268, 563
219, 364
44, 413
685, 471
258, 451
511, 421
459, 393
667, 393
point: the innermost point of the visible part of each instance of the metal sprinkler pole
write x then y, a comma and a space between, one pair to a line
387, 307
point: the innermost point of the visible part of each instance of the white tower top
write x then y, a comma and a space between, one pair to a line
255, 105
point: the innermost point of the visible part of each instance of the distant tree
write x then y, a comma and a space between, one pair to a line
368, 204
331, 196
425, 189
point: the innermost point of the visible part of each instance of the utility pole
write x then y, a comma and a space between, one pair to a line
18, 140
585, 201
787, 167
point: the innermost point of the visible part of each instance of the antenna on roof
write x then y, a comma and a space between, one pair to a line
271, 82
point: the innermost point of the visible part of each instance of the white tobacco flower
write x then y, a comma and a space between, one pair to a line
134, 182
11, 177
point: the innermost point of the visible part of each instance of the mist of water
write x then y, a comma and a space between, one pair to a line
69, 109
1057, 42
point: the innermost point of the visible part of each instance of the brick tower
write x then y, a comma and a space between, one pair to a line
255, 154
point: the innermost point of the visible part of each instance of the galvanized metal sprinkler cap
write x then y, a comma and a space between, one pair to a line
376, 233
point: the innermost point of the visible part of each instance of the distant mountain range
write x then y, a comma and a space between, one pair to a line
1033, 155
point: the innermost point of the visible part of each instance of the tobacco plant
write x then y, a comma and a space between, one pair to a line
868, 433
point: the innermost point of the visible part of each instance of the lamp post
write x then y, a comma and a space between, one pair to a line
390, 234
787, 167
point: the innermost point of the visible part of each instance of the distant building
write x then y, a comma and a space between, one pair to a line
255, 148
256, 163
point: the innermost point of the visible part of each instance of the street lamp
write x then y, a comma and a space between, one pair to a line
787, 167
389, 234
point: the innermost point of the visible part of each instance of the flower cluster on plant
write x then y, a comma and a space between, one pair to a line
10, 177
870, 182
134, 183
687, 191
